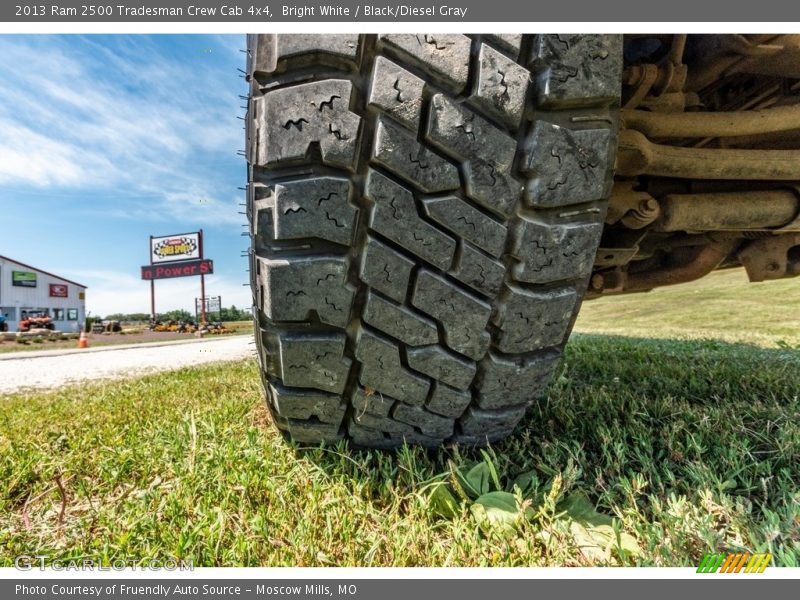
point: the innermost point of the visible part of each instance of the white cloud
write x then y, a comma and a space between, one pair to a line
126, 118
39, 160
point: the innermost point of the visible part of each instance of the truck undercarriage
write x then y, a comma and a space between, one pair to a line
708, 162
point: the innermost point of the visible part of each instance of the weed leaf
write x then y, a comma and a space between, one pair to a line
477, 481
443, 502
594, 532
497, 512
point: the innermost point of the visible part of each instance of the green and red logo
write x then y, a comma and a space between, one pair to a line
734, 563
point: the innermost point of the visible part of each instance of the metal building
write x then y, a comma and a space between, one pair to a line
25, 289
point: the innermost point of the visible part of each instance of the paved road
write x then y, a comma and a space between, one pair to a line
54, 368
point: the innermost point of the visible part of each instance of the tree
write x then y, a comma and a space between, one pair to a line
177, 315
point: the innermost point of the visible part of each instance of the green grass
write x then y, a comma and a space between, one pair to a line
722, 305
689, 446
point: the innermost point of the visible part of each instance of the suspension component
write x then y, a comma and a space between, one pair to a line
728, 211
639, 156
712, 124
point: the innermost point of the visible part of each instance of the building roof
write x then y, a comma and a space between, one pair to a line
42, 271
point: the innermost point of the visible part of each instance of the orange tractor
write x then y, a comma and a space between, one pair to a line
35, 319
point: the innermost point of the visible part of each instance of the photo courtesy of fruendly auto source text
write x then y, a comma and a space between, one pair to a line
403, 299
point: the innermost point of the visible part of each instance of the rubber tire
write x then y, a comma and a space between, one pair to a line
424, 215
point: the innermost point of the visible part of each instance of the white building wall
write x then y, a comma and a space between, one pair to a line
13, 299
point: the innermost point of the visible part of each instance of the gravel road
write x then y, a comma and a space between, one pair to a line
56, 368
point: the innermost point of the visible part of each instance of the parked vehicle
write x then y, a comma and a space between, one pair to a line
36, 319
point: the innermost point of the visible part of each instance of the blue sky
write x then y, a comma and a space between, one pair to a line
105, 140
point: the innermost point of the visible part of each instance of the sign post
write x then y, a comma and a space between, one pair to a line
153, 300
202, 281
152, 288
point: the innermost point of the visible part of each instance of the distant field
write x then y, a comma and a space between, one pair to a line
723, 306
114, 339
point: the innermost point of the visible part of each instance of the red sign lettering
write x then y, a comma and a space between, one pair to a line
183, 269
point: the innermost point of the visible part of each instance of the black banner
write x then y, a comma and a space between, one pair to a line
187, 268
354, 11
713, 586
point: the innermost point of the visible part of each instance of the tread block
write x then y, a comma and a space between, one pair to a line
502, 383
262, 221
438, 363
568, 166
316, 208
375, 438
314, 361
395, 216
496, 190
460, 218
577, 69
447, 401
479, 423
535, 320
502, 86
385, 269
382, 370
306, 404
447, 55
510, 42
293, 290
465, 134
262, 53
344, 45
385, 424
289, 120
370, 438
463, 316
429, 424
397, 92
399, 152
372, 402
310, 432
555, 252
399, 322
479, 271
487, 153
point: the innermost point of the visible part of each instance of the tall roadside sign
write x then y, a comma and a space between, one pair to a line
179, 255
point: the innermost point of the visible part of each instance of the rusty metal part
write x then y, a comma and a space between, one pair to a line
728, 211
642, 77
644, 213
607, 282
677, 48
635, 209
712, 124
614, 257
772, 258
652, 81
669, 102
702, 264
639, 156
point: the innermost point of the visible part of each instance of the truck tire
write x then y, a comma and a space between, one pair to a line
424, 214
